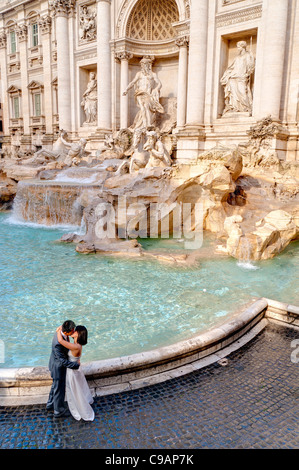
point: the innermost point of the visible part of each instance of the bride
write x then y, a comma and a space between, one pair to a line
78, 395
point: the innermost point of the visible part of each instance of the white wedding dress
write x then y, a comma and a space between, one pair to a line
78, 394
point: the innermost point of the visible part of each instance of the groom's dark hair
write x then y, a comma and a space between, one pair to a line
68, 326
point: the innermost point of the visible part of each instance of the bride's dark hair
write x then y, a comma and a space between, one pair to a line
82, 334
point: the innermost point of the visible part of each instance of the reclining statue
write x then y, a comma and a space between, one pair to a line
60, 150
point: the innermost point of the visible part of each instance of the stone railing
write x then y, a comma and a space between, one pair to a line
31, 385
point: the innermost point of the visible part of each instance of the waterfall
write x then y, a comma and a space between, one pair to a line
244, 260
48, 203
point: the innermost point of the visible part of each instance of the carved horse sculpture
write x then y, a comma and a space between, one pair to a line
138, 156
159, 156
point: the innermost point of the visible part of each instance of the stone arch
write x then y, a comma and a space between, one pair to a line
127, 9
10, 24
32, 14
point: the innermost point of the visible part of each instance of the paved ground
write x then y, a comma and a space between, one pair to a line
252, 402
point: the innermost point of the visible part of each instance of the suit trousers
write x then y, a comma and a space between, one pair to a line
57, 395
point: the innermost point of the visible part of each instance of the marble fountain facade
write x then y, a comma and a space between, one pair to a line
77, 137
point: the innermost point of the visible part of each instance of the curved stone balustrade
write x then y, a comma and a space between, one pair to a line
31, 385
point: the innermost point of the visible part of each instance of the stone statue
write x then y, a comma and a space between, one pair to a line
76, 152
147, 94
147, 151
59, 150
236, 81
138, 156
159, 156
90, 100
88, 24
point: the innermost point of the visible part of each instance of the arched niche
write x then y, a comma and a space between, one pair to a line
129, 6
150, 28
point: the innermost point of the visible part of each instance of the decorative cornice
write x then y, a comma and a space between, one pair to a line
239, 16
34, 85
45, 24
14, 89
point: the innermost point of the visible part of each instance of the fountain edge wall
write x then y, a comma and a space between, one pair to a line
31, 385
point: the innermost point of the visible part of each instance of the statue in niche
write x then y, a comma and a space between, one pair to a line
88, 24
236, 81
147, 94
90, 100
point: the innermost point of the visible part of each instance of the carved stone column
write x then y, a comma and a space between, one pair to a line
45, 24
197, 62
273, 58
124, 58
22, 34
104, 64
182, 43
4, 96
61, 10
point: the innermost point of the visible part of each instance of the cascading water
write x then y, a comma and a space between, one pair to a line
245, 259
49, 203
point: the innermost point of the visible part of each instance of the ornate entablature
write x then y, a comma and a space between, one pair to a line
239, 16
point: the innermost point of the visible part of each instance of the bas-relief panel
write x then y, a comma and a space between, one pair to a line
87, 22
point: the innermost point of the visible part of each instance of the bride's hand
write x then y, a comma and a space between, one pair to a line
59, 328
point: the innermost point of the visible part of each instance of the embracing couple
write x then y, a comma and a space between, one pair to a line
68, 379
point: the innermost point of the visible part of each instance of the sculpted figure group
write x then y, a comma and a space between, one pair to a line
142, 142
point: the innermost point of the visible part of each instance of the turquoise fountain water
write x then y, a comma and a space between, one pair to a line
128, 306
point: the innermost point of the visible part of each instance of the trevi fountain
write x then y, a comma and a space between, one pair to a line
170, 245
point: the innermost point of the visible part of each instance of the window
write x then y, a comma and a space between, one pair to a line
37, 104
13, 42
34, 35
16, 107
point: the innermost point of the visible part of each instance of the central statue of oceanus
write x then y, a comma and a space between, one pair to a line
147, 94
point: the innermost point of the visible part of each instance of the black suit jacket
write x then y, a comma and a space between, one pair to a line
59, 360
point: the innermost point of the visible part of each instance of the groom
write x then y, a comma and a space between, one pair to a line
57, 365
